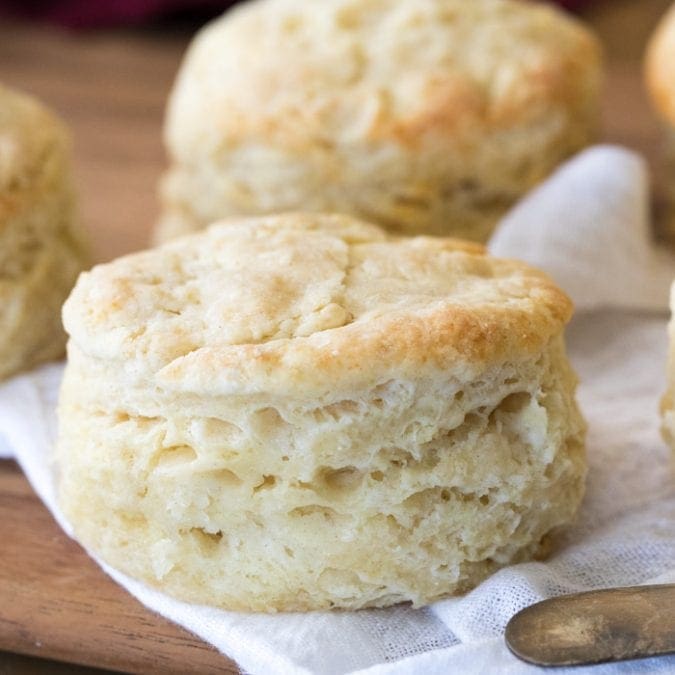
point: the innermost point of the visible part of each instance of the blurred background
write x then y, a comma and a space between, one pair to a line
107, 67
87, 14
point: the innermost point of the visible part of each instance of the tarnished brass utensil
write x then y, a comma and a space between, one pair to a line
586, 628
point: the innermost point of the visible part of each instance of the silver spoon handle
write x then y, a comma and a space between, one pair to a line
585, 628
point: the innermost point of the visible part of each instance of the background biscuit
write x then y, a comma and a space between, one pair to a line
41, 247
425, 116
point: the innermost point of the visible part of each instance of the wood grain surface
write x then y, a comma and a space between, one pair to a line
111, 88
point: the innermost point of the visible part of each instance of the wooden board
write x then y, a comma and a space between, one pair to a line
111, 88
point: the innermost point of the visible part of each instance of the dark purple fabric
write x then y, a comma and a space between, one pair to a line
572, 4
96, 14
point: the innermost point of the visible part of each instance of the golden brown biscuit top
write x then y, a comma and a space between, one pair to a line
30, 136
309, 302
659, 67
289, 72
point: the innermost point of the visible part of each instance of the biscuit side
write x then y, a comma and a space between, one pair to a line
408, 491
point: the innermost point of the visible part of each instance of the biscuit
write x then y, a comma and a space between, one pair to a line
41, 247
301, 412
424, 116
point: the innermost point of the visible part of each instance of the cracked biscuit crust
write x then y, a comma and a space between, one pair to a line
309, 302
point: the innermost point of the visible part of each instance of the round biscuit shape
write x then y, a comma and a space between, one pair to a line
302, 411
41, 245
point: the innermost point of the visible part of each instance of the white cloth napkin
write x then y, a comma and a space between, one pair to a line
588, 225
